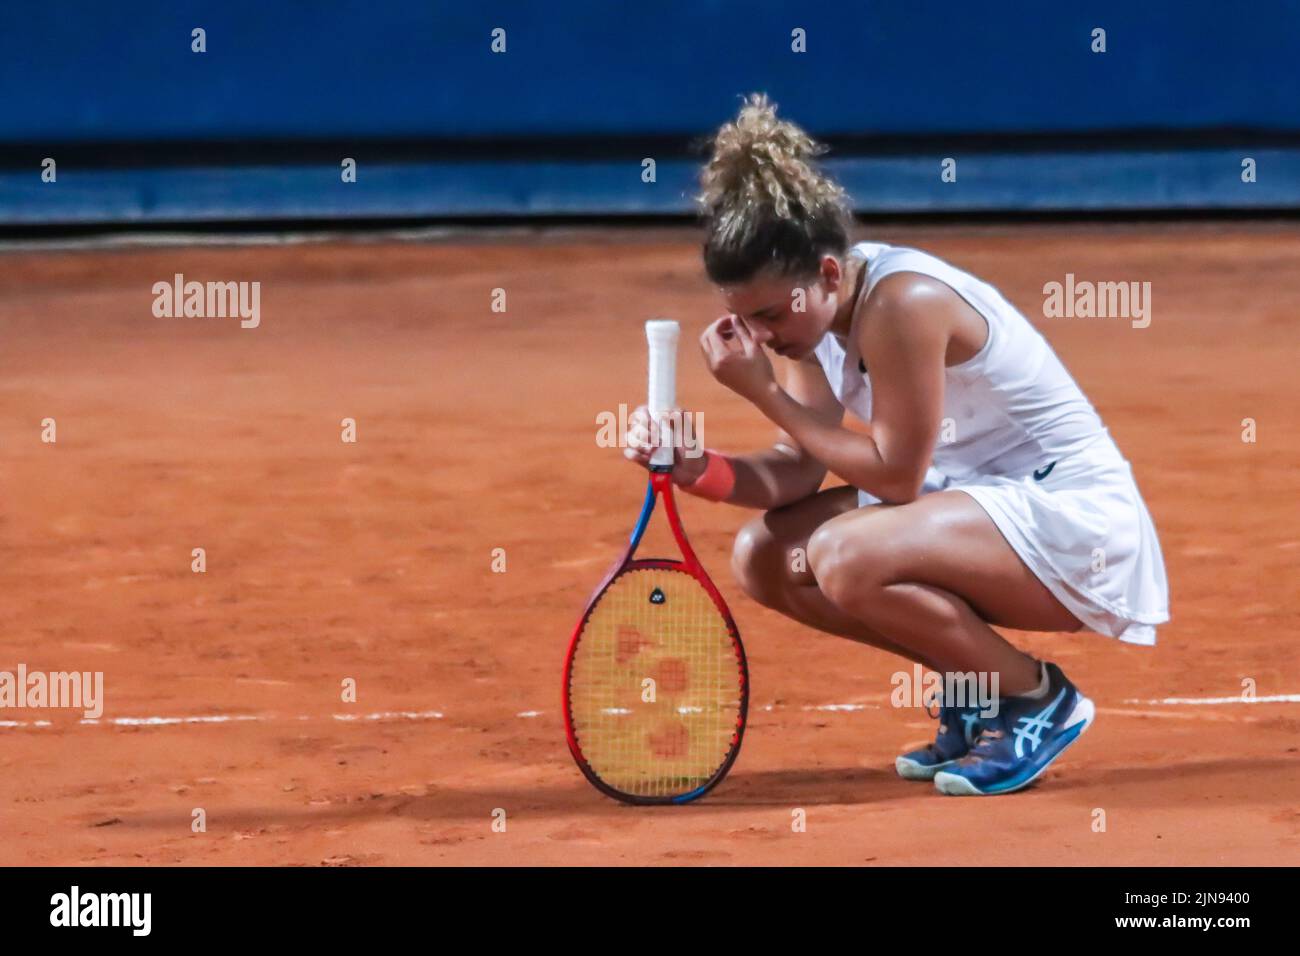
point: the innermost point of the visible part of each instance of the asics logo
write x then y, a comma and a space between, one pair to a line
1034, 725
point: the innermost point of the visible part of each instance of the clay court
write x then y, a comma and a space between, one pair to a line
476, 430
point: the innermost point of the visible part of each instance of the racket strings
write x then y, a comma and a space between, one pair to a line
669, 737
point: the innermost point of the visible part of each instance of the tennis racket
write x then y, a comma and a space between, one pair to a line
656, 686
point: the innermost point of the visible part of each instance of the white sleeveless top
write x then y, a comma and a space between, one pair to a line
1018, 423
1010, 409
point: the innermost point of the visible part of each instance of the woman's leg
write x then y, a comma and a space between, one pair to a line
770, 560
930, 576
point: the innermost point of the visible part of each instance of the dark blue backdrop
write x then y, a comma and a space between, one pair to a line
1010, 89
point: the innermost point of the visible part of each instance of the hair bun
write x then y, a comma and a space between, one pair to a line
765, 204
760, 158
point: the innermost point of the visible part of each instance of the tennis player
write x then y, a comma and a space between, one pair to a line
984, 491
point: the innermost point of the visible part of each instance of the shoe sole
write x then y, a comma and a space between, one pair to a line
955, 785
911, 770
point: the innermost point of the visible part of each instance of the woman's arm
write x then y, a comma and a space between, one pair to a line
786, 472
772, 477
903, 336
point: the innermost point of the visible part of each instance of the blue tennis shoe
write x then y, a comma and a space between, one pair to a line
958, 728
1015, 747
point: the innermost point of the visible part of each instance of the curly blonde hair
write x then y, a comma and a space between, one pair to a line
765, 204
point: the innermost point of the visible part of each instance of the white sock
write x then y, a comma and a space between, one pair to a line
1041, 691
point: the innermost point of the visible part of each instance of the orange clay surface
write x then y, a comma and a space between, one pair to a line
476, 431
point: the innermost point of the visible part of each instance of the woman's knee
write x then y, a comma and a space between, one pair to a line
847, 565
759, 561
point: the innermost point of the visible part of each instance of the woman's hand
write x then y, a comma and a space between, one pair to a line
736, 360
643, 438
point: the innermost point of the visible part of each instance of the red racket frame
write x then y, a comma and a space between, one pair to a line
660, 487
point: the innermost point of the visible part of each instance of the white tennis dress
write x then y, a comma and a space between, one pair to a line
1022, 440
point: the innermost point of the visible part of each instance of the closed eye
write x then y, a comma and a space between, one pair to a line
771, 313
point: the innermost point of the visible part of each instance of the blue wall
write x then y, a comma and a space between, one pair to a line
1011, 89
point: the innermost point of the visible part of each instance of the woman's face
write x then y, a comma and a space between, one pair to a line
789, 316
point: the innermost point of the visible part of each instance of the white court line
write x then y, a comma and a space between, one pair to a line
228, 719
832, 708
526, 714
1178, 701
160, 721
1172, 714
391, 714
841, 707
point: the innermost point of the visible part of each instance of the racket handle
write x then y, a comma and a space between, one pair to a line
662, 335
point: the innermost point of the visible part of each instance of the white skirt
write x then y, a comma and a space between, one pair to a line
1084, 531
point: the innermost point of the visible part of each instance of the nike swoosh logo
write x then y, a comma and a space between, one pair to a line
1043, 473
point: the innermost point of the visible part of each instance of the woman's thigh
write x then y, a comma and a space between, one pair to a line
767, 547
946, 540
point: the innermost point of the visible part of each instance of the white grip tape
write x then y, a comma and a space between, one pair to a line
662, 334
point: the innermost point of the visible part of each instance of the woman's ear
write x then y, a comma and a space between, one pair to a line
832, 273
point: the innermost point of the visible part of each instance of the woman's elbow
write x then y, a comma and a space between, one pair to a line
804, 487
900, 488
